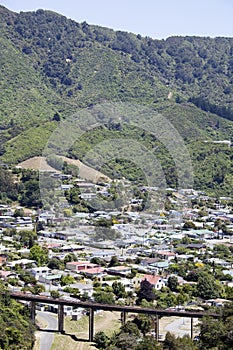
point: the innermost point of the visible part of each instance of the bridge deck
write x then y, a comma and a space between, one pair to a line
107, 307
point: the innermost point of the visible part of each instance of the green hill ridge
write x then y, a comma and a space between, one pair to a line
51, 67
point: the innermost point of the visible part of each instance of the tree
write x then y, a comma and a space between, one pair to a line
102, 233
27, 237
118, 289
55, 294
39, 254
39, 226
73, 195
84, 296
71, 169
212, 331
144, 323
67, 279
126, 341
54, 264
189, 225
8, 187
31, 196
173, 343
218, 334
27, 278
18, 213
70, 257
17, 331
146, 291
219, 225
98, 261
38, 288
148, 343
131, 328
169, 341
56, 117
103, 297
207, 288
172, 283
101, 340
114, 261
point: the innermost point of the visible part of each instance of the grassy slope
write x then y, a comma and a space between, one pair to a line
106, 321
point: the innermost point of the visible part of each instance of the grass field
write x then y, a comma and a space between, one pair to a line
105, 321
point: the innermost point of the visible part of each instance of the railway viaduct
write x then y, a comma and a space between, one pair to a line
92, 307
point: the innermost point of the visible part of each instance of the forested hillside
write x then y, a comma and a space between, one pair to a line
51, 66
17, 330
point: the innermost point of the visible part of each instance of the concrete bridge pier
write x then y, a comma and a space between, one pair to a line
191, 328
33, 311
91, 324
61, 318
123, 318
157, 327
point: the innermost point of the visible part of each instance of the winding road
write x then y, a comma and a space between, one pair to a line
46, 338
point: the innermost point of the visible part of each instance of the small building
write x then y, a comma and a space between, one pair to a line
217, 302
119, 270
37, 272
149, 261
166, 255
93, 272
49, 278
21, 262
65, 235
79, 265
156, 281
6, 274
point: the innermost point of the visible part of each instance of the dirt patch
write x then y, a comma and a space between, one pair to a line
36, 163
85, 172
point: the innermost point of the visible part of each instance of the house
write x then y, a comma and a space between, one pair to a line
24, 221
217, 302
103, 254
149, 261
185, 257
119, 270
3, 259
93, 272
83, 287
71, 248
156, 281
66, 187
6, 274
21, 262
166, 255
39, 271
86, 196
197, 247
66, 235
79, 265
49, 278
159, 266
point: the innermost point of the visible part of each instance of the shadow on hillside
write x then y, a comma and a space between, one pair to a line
72, 336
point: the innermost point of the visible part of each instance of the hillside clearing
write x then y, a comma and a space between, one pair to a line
85, 172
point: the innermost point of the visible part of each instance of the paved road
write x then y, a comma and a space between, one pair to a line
181, 326
46, 338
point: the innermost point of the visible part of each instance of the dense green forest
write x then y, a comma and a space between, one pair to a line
52, 67
17, 330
